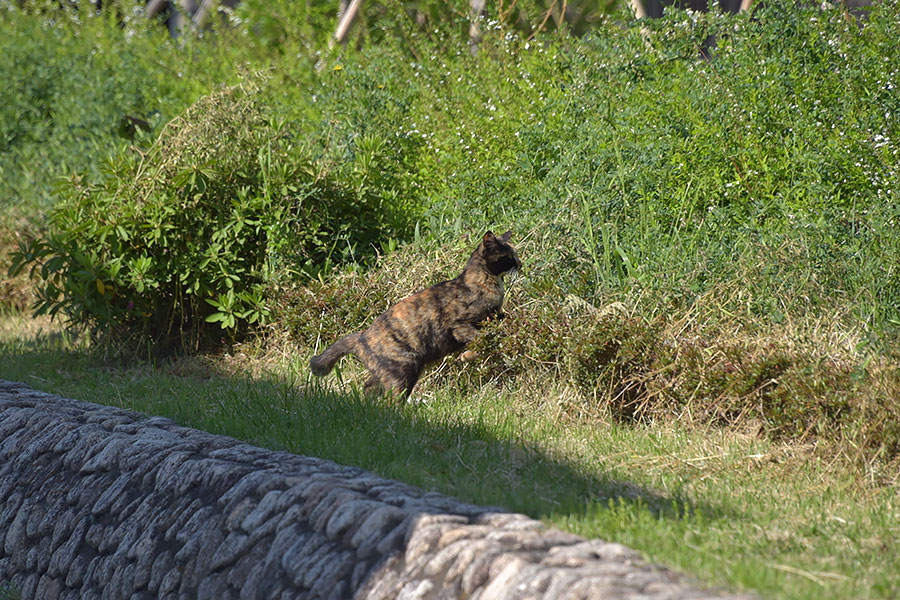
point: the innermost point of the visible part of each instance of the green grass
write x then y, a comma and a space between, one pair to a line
724, 505
9, 592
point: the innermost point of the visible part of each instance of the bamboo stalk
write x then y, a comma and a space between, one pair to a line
346, 21
154, 7
200, 17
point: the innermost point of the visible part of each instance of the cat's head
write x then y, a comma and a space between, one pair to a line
500, 257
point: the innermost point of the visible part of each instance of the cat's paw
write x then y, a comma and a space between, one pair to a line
468, 355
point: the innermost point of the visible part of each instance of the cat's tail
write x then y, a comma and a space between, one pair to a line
324, 362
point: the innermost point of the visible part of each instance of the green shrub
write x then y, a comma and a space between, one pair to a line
176, 247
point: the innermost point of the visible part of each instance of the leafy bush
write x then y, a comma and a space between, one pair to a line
191, 233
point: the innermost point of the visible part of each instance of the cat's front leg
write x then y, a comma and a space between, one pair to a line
468, 355
466, 334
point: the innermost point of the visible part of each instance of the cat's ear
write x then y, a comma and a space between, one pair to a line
505, 237
489, 238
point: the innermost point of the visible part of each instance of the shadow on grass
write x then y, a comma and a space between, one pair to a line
479, 457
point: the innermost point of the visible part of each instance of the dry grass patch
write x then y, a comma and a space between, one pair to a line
16, 292
23, 327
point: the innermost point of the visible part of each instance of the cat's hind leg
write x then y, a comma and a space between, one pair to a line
401, 379
397, 385
372, 386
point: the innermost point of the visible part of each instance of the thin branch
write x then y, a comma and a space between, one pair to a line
505, 15
544, 22
562, 14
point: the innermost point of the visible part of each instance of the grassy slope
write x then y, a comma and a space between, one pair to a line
71, 80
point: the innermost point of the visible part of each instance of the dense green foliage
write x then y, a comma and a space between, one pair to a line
672, 172
740, 201
71, 81
775, 163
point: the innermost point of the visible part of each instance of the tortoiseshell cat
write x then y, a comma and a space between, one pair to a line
429, 325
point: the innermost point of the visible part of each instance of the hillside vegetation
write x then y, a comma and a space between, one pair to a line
712, 238
710, 233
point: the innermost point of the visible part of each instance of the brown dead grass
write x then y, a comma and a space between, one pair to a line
17, 292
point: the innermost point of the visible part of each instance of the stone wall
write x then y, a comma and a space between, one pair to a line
97, 502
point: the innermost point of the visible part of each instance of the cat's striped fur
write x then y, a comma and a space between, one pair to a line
430, 324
